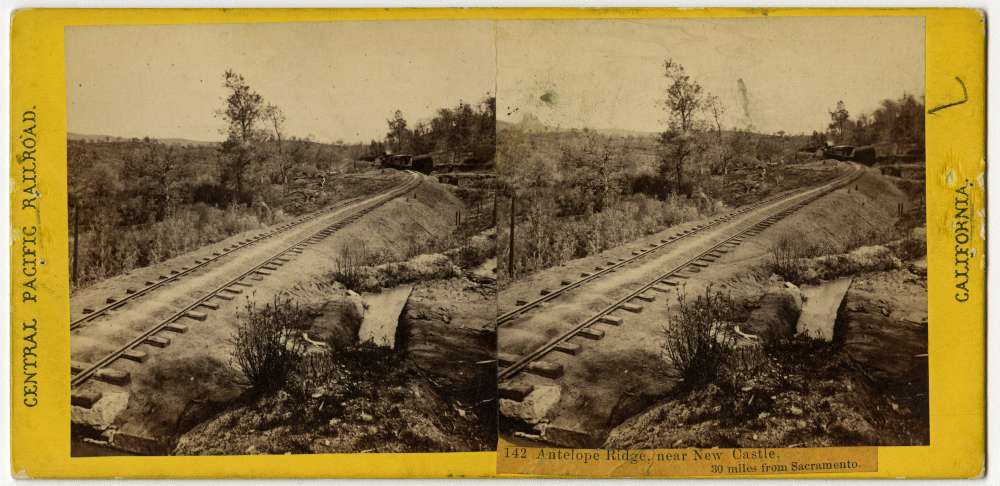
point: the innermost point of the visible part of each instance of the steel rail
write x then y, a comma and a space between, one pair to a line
86, 374
518, 365
514, 313
74, 324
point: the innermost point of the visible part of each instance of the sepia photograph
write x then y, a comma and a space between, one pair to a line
281, 238
711, 233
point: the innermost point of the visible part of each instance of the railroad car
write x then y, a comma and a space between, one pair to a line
420, 163
864, 155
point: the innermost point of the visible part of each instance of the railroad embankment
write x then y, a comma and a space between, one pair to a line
343, 393
866, 386
433, 392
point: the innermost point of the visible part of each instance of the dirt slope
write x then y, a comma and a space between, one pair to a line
191, 379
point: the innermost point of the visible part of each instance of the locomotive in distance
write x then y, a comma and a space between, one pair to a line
427, 163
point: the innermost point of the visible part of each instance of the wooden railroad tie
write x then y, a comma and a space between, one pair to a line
545, 368
591, 333
135, 355
568, 348
630, 307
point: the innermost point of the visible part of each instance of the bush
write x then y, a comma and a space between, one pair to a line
788, 257
350, 265
911, 247
107, 249
264, 350
784, 260
545, 237
698, 342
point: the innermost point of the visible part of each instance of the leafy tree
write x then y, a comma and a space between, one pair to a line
594, 168
398, 135
894, 121
684, 99
838, 121
817, 139
244, 109
462, 129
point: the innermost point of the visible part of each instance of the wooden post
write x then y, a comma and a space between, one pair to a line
510, 254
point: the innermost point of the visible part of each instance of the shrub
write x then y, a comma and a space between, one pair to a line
545, 237
698, 342
107, 249
263, 350
911, 247
784, 259
349, 270
788, 257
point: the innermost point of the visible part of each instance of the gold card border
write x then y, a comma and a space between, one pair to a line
955, 47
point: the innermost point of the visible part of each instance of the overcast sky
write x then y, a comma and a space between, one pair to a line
338, 80
609, 74
342, 80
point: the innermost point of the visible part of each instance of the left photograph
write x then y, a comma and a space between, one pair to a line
282, 238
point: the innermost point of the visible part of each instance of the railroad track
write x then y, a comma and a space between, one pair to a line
512, 365
83, 373
611, 266
637, 255
114, 303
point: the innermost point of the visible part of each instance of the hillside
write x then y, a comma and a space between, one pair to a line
84, 137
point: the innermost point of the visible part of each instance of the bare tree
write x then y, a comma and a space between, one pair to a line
715, 109
276, 117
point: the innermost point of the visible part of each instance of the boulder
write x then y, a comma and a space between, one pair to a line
892, 352
535, 407
776, 315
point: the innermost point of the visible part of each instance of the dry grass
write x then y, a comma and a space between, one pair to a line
109, 250
364, 278
544, 238
800, 263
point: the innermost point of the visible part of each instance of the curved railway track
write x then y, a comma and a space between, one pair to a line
262, 268
153, 285
703, 258
611, 266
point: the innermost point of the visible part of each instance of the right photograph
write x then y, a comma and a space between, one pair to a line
711, 233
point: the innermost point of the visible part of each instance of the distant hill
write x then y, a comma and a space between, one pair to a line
620, 132
531, 124
110, 138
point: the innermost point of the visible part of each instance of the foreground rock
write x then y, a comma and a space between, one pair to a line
882, 328
867, 387
775, 314
400, 414
434, 393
